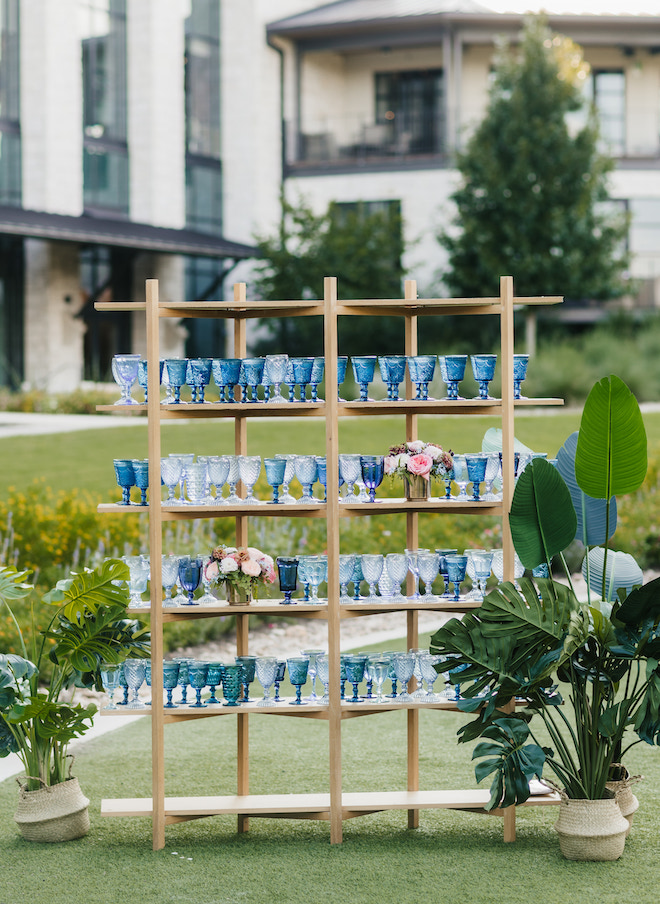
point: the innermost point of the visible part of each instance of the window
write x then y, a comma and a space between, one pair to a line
411, 105
105, 148
608, 94
645, 226
11, 311
10, 129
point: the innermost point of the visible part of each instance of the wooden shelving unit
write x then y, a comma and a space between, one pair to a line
333, 805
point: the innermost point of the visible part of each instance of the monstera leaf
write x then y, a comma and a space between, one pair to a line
610, 458
542, 517
595, 523
512, 760
89, 590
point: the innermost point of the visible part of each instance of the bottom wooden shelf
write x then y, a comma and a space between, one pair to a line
309, 806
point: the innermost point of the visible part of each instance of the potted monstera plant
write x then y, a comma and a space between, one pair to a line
38, 717
538, 643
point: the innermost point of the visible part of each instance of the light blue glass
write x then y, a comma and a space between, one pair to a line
372, 568
355, 666
250, 376
312, 656
421, 369
275, 468
134, 672
232, 480
287, 569
170, 474
380, 668
428, 564
290, 380
350, 471
346, 568
298, 666
266, 668
323, 670
231, 684
483, 368
226, 372
304, 570
482, 563
412, 556
357, 578
476, 468
170, 680
289, 473
143, 376
456, 567
396, 564
373, 471
110, 673
461, 477
306, 471
125, 476
249, 468
322, 475
213, 680
279, 678
176, 377
197, 672
364, 367
139, 572
141, 471
342, 363
404, 666
317, 572
218, 471
248, 666
302, 374
442, 563
275, 372
316, 377
452, 371
125, 373
393, 373
198, 377
519, 373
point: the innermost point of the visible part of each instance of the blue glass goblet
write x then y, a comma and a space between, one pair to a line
412, 556
483, 368
290, 381
393, 372
342, 364
279, 678
134, 672
125, 475
218, 472
110, 678
125, 373
298, 667
250, 377
289, 473
190, 575
346, 569
442, 568
421, 369
317, 572
304, 570
287, 570
276, 367
357, 579
226, 372
306, 471
461, 477
318, 366
456, 567
404, 667
231, 684
372, 568
197, 672
176, 377
248, 665
519, 373
170, 680
302, 373
249, 468
266, 667
322, 475
373, 471
396, 565
350, 471
452, 371
198, 377
213, 680
171, 470
275, 468
312, 656
143, 376
476, 468
364, 367
141, 471
355, 666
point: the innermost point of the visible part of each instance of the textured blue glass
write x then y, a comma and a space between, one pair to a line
141, 472
476, 468
452, 371
483, 368
226, 372
275, 468
190, 574
373, 471
231, 684
364, 367
519, 373
287, 569
125, 475
176, 376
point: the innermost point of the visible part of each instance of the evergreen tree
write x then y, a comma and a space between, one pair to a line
529, 202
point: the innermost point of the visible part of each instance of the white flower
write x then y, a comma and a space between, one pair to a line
434, 451
415, 446
228, 565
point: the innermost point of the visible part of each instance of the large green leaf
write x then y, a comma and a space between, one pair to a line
542, 518
611, 457
12, 584
512, 761
641, 604
85, 592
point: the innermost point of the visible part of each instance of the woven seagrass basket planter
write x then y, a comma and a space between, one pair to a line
623, 793
53, 813
591, 829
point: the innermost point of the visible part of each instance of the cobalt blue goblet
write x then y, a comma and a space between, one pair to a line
190, 575
421, 369
198, 377
287, 569
143, 376
226, 372
519, 373
125, 475
251, 375
373, 471
302, 374
452, 371
476, 468
393, 372
318, 367
364, 367
483, 368
176, 377
141, 472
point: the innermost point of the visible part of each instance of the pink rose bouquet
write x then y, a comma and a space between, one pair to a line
246, 567
418, 459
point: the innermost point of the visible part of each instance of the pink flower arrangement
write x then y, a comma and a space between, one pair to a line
245, 567
418, 459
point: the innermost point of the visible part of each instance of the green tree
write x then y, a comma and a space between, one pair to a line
359, 245
530, 199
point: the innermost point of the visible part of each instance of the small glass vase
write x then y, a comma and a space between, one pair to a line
416, 486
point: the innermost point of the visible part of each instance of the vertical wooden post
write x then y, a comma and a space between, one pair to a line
332, 544
155, 548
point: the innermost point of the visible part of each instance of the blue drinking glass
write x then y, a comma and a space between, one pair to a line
275, 468
298, 666
306, 471
304, 568
125, 475
190, 575
287, 569
279, 678
456, 567
321, 466
276, 366
226, 372
373, 471
421, 369
452, 371
346, 569
476, 468
141, 472
290, 380
143, 376
302, 374
231, 684
250, 376
519, 373
393, 372
342, 364
176, 376
248, 665
364, 367
357, 578
483, 368
170, 680
318, 366
198, 377
197, 673
213, 680
355, 666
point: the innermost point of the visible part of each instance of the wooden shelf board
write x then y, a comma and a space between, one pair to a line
299, 804
386, 506
231, 309
191, 512
355, 610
